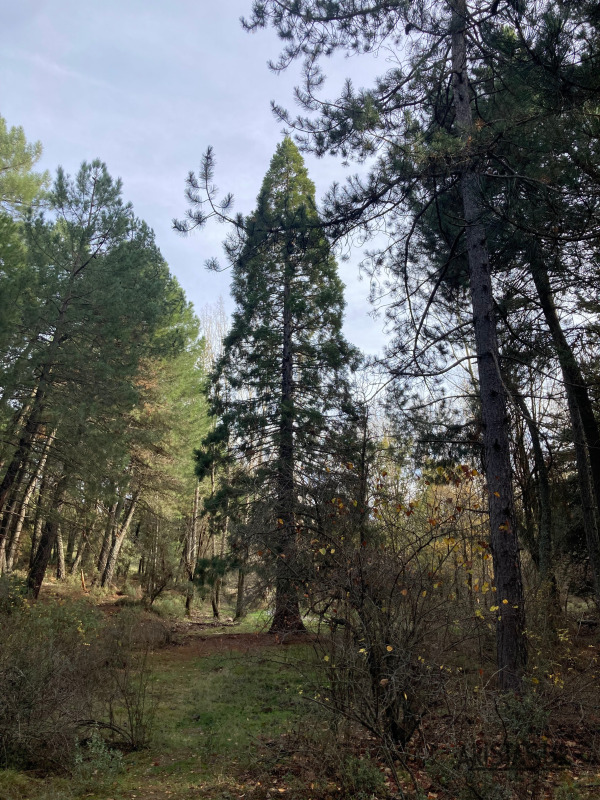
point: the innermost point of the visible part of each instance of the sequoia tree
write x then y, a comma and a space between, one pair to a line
420, 119
284, 361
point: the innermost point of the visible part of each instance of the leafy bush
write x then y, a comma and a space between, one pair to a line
169, 606
66, 672
13, 591
95, 763
44, 689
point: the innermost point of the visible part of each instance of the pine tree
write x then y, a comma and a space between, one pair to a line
420, 128
282, 372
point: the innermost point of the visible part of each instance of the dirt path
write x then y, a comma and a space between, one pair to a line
192, 640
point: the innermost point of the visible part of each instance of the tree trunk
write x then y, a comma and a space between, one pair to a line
13, 548
71, 541
111, 561
287, 617
39, 396
10, 513
47, 540
544, 544
191, 551
240, 610
586, 433
107, 542
215, 595
510, 629
14, 428
39, 520
61, 571
588, 509
81, 550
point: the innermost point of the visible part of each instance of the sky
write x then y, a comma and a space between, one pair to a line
147, 86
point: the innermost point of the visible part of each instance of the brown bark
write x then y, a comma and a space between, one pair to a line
191, 551
586, 433
239, 602
510, 635
287, 617
21, 454
109, 531
544, 543
13, 548
81, 550
47, 540
111, 561
10, 513
215, 595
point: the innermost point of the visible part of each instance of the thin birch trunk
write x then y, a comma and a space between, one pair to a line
39, 520
13, 548
111, 561
191, 551
107, 542
47, 540
61, 571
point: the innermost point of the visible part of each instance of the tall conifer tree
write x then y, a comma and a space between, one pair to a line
283, 367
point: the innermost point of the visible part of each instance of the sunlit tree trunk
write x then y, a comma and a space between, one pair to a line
117, 544
47, 539
15, 538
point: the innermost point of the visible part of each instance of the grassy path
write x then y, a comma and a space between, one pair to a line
231, 721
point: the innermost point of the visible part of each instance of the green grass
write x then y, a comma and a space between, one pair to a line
214, 715
223, 702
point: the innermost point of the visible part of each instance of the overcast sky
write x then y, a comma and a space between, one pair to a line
147, 85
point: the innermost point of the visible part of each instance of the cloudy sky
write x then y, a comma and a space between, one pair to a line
147, 85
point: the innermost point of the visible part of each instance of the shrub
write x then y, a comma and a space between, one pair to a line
13, 591
65, 672
169, 606
95, 764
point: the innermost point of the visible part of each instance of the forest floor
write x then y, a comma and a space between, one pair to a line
235, 719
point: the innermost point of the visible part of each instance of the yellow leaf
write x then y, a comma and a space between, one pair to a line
322, 551
494, 608
280, 521
496, 494
424, 593
332, 551
389, 648
326, 658
505, 602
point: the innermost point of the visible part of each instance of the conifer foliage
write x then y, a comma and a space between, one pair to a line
282, 372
